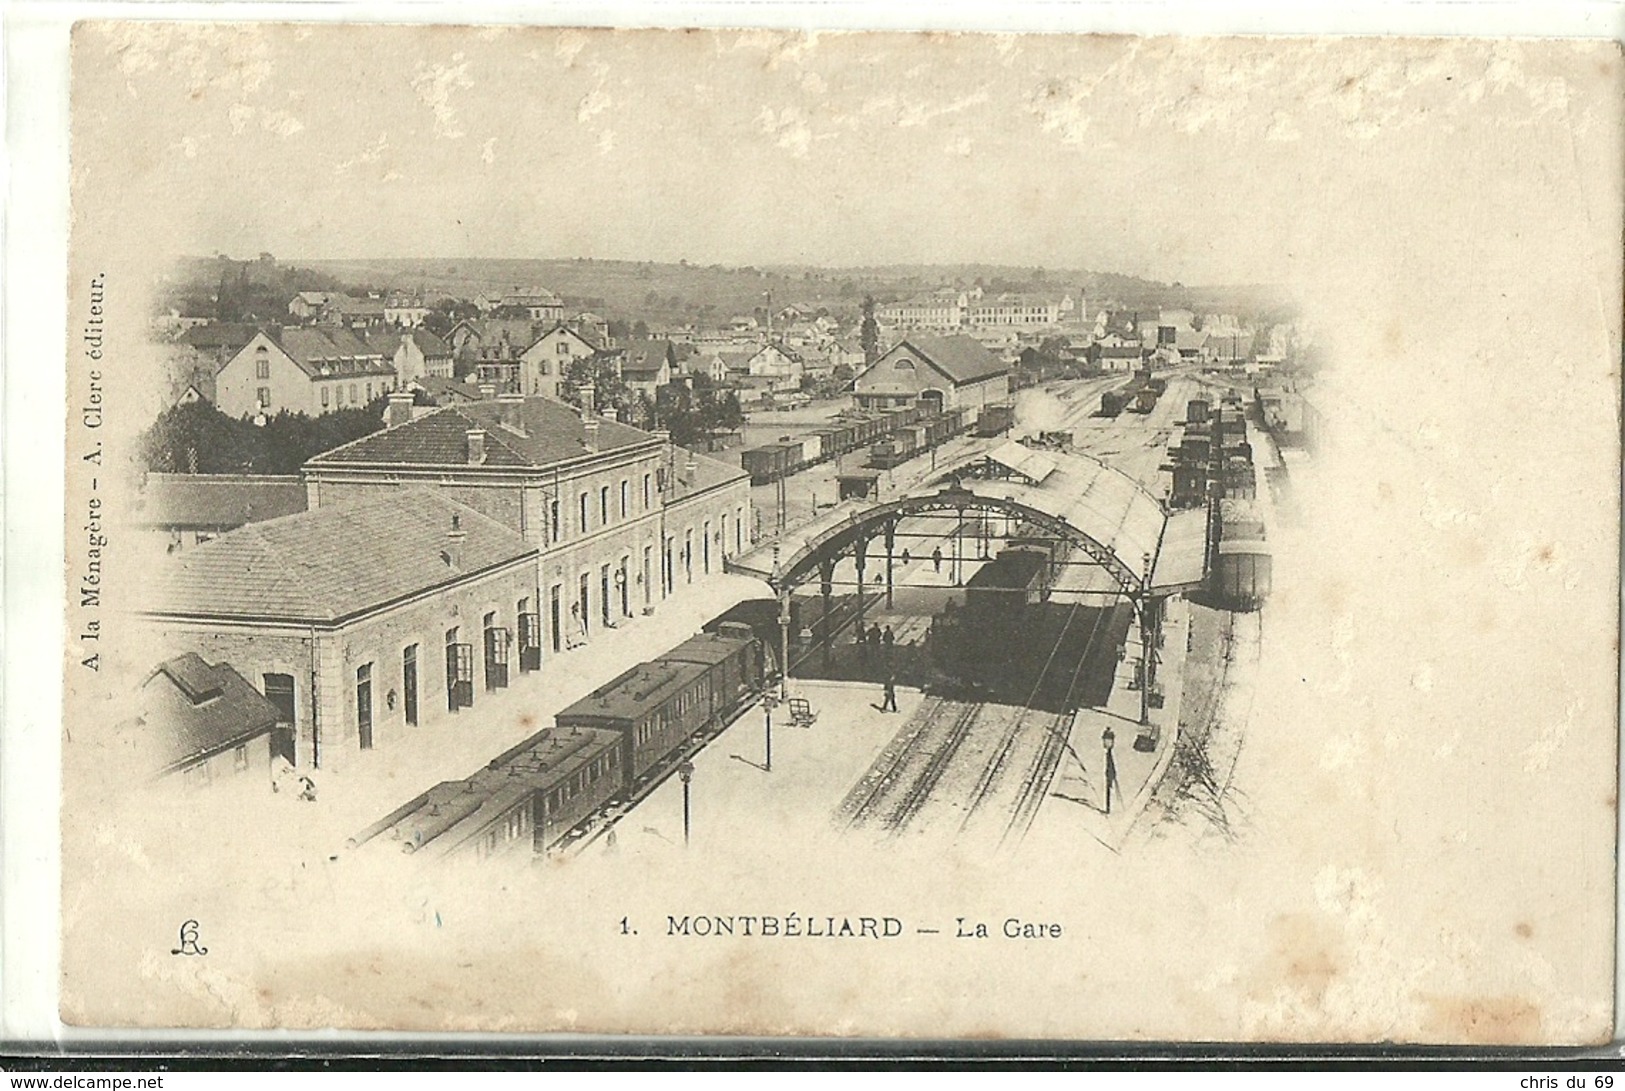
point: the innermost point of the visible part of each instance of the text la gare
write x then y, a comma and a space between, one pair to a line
1011, 928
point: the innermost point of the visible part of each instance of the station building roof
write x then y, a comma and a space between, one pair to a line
1107, 505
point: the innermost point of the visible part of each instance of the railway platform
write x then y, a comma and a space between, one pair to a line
1077, 795
448, 746
735, 802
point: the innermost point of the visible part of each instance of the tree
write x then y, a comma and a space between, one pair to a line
869, 335
640, 330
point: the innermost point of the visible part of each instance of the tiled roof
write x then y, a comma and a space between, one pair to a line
348, 304
445, 391
962, 359
552, 432
707, 473
216, 500
334, 561
387, 341
216, 335
329, 352
646, 357
191, 709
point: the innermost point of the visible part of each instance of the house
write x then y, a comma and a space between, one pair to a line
307, 306
712, 365
202, 722
415, 352
779, 362
495, 342
538, 304
352, 312
362, 621
846, 351
620, 521
1120, 357
546, 362
647, 365
1190, 344
403, 309
302, 369
181, 511
954, 372
193, 359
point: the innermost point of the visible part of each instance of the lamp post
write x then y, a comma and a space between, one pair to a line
777, 580
686, 772
1107, 738
768, 703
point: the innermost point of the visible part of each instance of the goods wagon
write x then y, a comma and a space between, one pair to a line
995, 420
1242, 574
1196, 410
766, 463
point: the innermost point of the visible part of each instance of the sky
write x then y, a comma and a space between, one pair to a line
1194, 161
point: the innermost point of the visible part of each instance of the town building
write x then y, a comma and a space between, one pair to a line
415, 353
404, 309
544, 364
352, 312
1120, 357
180, 511
307, 306
538, 304
944, 309
202, 722
303, 369
360, 621
951, 372
780, 363
1025, 310
622, 517
646, 366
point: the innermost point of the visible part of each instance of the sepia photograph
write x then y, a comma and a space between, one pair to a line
841, 534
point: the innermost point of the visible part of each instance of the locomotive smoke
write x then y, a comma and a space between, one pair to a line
1037, 411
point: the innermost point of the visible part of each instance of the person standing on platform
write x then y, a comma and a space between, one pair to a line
936, 560
889, 700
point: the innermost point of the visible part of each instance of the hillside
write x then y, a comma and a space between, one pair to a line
668, 294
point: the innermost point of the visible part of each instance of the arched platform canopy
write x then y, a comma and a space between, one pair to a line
1105, 513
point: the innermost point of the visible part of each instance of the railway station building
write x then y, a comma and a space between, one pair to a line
360, 620
954, 372
622, 518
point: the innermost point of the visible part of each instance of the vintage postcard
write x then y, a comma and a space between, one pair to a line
952, 535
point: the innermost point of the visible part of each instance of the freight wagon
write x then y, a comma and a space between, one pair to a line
995, 420
1243, 573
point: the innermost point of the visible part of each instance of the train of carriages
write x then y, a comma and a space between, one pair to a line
1211, 458
891, 438
607, 748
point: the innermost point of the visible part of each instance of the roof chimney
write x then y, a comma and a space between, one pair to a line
476, 446
453, 553
511, 412
589, 434
488, 391
400, 409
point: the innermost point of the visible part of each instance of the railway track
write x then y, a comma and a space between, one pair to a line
914, 798
994, 770
1042, 771
860, 803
